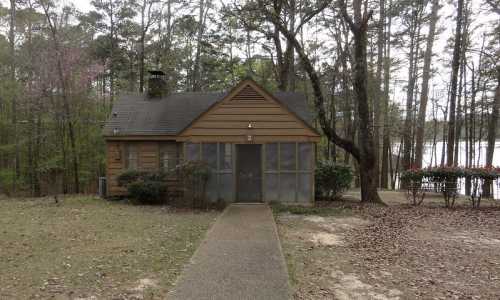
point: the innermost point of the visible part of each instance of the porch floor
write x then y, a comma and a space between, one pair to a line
240, 258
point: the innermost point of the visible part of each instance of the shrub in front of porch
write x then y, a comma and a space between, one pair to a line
331, 180
194, 176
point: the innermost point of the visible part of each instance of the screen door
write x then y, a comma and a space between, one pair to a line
249, 173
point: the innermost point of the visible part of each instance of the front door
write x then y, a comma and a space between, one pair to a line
249, 172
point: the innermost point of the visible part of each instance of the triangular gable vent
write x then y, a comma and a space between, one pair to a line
248, 93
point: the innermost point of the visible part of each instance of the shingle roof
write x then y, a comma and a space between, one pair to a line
137, 115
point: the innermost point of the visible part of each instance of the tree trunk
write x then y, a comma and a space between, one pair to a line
377, 100
386, 146
492, 132
424, 96
366, 158
12, 71
197, 62
455, 64
290, 58
66, 106
141, 63
112, 33
412, 77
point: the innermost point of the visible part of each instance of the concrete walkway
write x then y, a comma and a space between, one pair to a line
240, 258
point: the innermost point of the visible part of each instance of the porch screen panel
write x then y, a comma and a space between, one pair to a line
209, 155
271, 172
225, 172
305, 156
288, 182
271, 163
226, 184
192, 151
212, 193
287, 156
304, 192
305, 172
219, 157
288, 172
271, 184
225, 157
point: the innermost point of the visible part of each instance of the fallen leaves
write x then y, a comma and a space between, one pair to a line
415, 252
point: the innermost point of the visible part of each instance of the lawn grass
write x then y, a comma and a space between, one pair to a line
86, 247
324, 211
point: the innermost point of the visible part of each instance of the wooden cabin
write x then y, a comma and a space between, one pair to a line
259, 145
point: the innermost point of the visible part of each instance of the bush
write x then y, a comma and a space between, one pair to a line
194, 176
129, 177
144, 187
446, 174
147, 192
332, 179
445, 180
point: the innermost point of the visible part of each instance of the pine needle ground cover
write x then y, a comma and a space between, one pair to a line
89, 248
393, 252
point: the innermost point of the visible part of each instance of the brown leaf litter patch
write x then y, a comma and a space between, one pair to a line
395, 252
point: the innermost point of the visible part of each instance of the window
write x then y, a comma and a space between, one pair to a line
132, 157
305, 156
219, 157
209, 154
287, 156
289, 172
169, 157
272, 157
225, 157
192, 151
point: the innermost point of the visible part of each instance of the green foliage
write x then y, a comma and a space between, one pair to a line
147, 191
144, 187
130, 176
308, 210
331, 179
194, 175
193, 171
6, 180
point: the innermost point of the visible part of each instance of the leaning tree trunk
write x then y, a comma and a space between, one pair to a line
367, 160
492, 132
364, 154
424, 96
367, 154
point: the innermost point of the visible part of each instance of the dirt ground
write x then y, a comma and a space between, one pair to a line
88, 248
394, 252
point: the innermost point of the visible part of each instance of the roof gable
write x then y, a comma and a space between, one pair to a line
135, 115
249, 106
